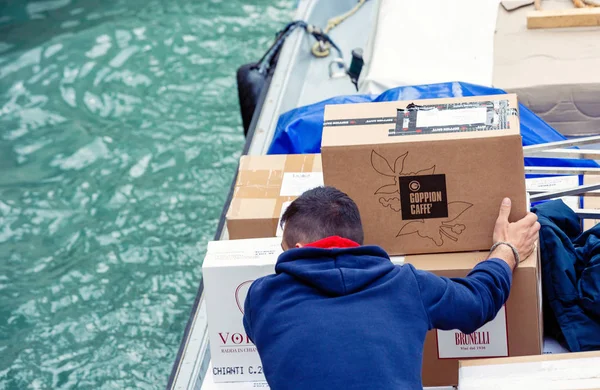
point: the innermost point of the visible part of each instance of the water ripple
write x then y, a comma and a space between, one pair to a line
119, 134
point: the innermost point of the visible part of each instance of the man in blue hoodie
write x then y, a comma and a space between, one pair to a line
339, 315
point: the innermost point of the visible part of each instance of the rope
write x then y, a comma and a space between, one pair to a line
265, 62
321, 48
336, 20
322, 39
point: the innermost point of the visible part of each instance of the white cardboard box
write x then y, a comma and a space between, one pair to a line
570, 371
556, 183
229, 269
209, 384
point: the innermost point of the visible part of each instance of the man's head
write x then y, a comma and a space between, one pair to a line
319, 213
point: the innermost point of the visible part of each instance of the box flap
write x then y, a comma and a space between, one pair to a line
281, 162
459, 261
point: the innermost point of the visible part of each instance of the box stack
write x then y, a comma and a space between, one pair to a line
516, 330
264, 187
428, 178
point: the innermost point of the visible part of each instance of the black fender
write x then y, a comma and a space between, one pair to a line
250, 83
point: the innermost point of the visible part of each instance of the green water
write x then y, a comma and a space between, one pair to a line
119, 135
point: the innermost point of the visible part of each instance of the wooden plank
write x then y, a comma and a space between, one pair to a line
576, 17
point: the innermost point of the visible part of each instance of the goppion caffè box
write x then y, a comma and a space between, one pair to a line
428, 176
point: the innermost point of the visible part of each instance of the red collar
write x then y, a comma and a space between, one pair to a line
332, 242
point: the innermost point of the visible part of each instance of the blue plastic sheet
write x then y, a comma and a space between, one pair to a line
299, 130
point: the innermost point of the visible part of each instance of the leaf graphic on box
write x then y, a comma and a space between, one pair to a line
410, 227
393, 203
436, 230
458, 228
424, 229
456, 209
428, 171
388, 189
433, 229
381, 165
399, 164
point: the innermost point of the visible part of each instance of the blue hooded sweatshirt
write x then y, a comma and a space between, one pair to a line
347, 318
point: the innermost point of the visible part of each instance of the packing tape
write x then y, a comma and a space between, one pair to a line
263, 163
452, 117
256, 192
282, 162
256, 170
404, 120
253, 208
300, 163
260, 178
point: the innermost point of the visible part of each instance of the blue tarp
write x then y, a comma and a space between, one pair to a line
299, 130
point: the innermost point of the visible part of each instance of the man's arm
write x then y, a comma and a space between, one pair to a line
468, 303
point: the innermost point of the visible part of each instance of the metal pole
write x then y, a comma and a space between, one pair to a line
542, 191
568, 192
531, 149
587, 213
568, 153
562, 171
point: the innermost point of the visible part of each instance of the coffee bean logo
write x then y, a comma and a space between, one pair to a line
414, 186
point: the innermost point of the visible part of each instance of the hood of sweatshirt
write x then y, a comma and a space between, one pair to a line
335, 271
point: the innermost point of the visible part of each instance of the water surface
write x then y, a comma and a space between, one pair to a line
119, 135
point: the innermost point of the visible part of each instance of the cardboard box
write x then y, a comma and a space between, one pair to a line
229, 269
556, 183
265, 185
516, 330
427, 177
569, 371
553, 346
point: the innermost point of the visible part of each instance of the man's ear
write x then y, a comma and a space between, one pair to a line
300, 245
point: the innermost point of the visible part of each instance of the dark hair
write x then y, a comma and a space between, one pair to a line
319, 213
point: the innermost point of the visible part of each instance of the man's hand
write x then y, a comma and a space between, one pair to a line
521, 234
